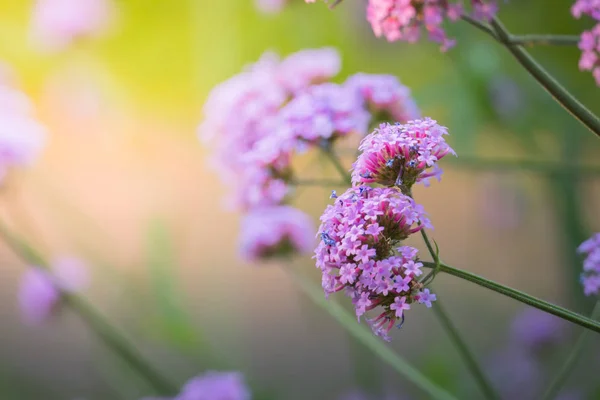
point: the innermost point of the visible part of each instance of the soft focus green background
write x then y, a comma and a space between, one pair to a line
124, 184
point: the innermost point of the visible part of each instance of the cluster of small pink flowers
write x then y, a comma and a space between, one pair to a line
403, 19
274, 232
56, 23
213, 385
591, 265
401, 154
21, 136
360, 253
589, 43
40, 291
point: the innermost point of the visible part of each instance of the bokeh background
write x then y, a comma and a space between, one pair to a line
123, 183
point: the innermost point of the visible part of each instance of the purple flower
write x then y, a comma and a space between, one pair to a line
591, 265
403, 19
589, 43
366, 262
515, 373
56, 23
268, 232
400, 155
214, 386
535, 329
40, 290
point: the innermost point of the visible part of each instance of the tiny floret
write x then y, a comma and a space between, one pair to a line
591, 265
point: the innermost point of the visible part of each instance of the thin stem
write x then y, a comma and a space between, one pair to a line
455, 336
556, 90
97, 324
480, 25
571, 360
519, 296
337, 164
545, 40
366, 337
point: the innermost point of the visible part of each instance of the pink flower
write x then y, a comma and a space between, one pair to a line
401, 155
268, 232
270, 6
404, 19
367, 263
591, 265
21, 136
40, 290
56, 23
213, 386
307, 67
587, 7
589, 45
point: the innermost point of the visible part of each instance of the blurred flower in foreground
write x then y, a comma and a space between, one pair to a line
359, 252
591, 265
214, 386
21, 136
270, 6
535, 329
278, 231
56, 23
589, 44
515, 373
400, 154
40, 290
403, 19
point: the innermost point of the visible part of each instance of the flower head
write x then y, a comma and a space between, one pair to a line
591, 265
275, 231
358, 252
401, 154
589, 44
56, 23
404, 19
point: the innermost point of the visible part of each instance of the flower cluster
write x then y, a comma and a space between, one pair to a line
213, 386
591, 265
275, 231
360, 253
403, 19
589, 43
401, 154
21, 136
56, 23
257, 120
40, 291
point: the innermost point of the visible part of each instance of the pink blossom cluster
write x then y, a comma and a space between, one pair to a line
360, 253
40, 290
403, 19
591, 265
275, 231
213, 385
56, 23
21, 136
589, 43
401, 154
257, 120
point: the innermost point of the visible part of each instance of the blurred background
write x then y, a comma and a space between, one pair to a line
123, 184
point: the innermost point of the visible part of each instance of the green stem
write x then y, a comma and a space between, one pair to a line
97, 324
366, 337
456, 338
519, 296
545, 40
556, 90
337, 164
571, 360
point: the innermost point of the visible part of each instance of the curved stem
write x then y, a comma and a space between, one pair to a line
545, 40
553, 309
97, 324
556, 90
460, 345
571, 360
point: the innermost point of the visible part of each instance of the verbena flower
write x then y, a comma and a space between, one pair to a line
384, 94
21, 136
534, 329
360, 253
40, 290
213, 385
404, 19
401, 154
278, 231
591, 265
56, 23
589, 43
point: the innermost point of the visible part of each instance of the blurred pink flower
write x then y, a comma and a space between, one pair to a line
270, 6
56, 23
591, 265
213, 386
40, 290
268, 232
535, 329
